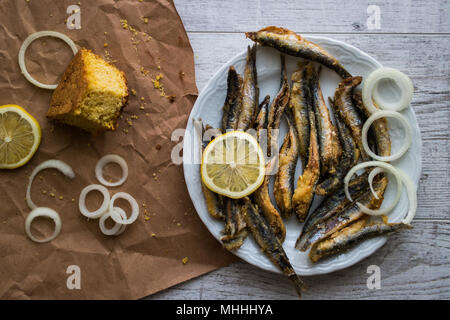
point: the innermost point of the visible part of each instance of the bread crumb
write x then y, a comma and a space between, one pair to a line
185, 260
142, 107
153, 234
52, 195
147, 218
133, 92
61, 197
44, 192
105, 45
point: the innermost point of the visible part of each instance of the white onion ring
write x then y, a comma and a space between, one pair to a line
111, 158
408, 134
49, 164
118, 228
43, 212
134, 208
385, 166
412, 197
25, 45
372, 175
103, 208
371, 82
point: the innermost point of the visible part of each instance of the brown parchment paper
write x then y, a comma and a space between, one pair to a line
148, 256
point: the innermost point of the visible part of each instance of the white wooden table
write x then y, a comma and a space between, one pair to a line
414, 36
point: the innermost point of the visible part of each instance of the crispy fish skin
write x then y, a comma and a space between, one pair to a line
379, 128
214, 203
262, 117
300, 104
350, 155
284, 179
329, 146
306, 183
343, 104
277, 108
250, 92
235, 230
352, 235
270, 244
289, 42
233, 100
343, 218
261, 195
330, 206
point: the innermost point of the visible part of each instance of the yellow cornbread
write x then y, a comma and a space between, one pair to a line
90, 95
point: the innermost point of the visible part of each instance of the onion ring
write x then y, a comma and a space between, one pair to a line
103, 208
371, 82
412, 197
393, 114
54, 164
385, 166
118, 228
25, 45
111, 158
134, 208
43, 212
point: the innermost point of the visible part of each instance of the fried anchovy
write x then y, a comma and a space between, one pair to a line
379, 128
262, 117
214, 202
306, 183
352, 235
261, 195
284, 180
277, 108
350, 155
233, 100
343, 104
270, 244
300, 103
250, 92
343, 218
329, 146
331, 206
235, 230
289, 42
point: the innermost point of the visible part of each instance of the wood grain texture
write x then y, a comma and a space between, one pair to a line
414, 264
348, 16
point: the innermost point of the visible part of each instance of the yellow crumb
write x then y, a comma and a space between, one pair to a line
133, 92
153, 234
61, 197
185, 260
52, 195
146, 218
105, 44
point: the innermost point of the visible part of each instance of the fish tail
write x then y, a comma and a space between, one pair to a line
251, 35
299, 285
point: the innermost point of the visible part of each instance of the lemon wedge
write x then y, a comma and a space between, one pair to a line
20, 136
233, 165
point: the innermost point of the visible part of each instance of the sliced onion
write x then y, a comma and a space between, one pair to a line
412, 197
372, 175
372, 81
47, 213
111, 158
25, 45
103, 208
118, 228
385, 166
408, 134
134, 208
49, 164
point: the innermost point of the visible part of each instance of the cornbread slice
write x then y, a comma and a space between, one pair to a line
90, 95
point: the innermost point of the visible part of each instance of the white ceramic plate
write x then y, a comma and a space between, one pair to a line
208, 107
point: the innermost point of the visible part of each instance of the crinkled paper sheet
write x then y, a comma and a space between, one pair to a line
135, 264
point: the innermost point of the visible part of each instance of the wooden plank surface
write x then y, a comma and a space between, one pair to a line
415, 38
345, 16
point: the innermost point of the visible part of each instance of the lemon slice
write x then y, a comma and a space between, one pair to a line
233, 165
20, 136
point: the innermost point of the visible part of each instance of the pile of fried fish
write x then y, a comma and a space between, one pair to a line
327, 152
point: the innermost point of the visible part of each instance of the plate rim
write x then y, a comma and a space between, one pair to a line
364, 253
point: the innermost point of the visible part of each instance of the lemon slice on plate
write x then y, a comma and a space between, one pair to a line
20, 136
233, 165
